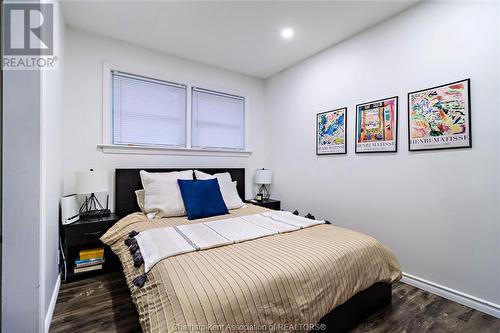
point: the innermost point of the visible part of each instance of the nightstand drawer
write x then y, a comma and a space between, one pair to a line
85, 234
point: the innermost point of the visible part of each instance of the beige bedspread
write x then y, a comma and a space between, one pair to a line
282, 282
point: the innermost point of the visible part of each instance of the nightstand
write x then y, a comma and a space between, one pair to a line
84, 235
269, 203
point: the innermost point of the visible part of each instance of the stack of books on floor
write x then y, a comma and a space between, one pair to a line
89, 260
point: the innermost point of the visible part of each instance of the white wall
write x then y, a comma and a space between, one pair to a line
438, 210
32, 175
21, 201
52, 90
85, 54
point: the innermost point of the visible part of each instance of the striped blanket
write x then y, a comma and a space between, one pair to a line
284, 282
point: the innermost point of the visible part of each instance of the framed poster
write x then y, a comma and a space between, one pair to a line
331, 132
439, 117
377, 126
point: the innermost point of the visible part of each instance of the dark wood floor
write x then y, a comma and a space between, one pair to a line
103, 304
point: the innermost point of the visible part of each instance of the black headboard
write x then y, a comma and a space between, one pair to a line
127, 181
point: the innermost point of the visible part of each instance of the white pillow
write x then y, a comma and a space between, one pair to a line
162, 194
230, 195
139, 195
227, 188
221, 177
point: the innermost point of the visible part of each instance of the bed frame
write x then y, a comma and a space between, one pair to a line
343, 318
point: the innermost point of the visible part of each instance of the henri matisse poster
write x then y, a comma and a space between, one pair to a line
439, 117
376, 126
331, 132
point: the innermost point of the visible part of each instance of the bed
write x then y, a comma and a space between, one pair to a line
306, 280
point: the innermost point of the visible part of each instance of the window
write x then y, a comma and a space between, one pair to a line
147, 111
218, 120
147, 115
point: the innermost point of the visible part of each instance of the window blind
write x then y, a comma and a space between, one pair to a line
148, 111
218, 120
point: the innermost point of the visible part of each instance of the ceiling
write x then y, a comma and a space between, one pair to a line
242, 36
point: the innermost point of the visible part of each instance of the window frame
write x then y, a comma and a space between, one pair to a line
150, 80
210, 91
107, 144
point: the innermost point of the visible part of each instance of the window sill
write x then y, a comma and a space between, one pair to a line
147, 150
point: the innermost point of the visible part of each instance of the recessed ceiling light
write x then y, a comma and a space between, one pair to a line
287, 33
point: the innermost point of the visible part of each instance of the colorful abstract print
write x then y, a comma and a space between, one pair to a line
376, 125
331, 131
440, 111
439, 117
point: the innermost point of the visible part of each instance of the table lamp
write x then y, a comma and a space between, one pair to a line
91, 182
263, 177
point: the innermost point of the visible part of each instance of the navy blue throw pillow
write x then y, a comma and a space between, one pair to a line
202, 198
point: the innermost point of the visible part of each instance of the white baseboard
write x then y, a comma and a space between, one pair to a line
52, 305
453, 295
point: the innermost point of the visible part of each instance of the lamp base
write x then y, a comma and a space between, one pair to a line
92, 208
264, 192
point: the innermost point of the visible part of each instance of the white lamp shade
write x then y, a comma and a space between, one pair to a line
91, 182
263, 176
